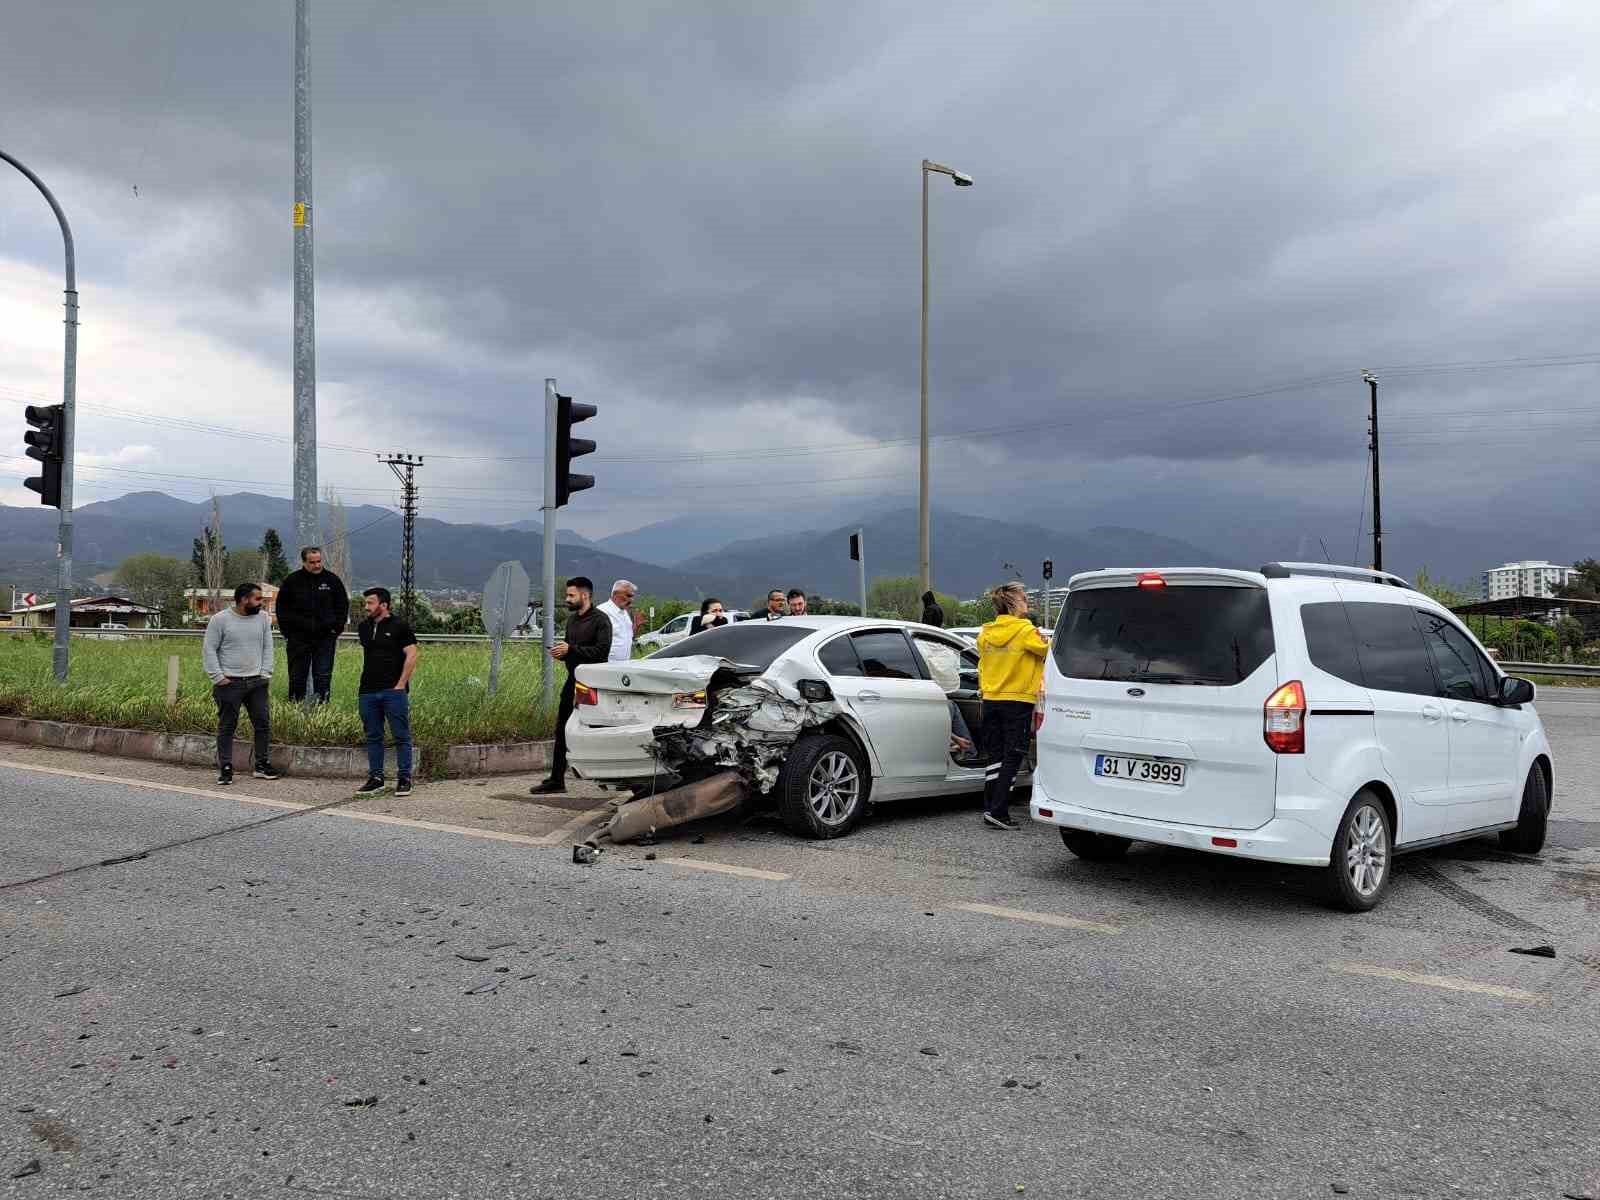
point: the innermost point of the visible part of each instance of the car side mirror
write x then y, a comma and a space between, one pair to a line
1514, 692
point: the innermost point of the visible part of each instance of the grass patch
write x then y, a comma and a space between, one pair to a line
124, 684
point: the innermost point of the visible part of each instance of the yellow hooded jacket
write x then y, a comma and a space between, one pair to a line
1011, 659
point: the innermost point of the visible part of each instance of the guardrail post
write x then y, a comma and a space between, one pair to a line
172, 680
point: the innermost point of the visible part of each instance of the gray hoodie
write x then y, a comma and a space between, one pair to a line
237, 647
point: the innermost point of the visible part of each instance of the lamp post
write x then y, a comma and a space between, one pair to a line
1377, 491
961, 180
69, 410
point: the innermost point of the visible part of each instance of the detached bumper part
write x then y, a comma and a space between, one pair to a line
665, 810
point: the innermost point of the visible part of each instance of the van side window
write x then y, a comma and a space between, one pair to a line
1331, 641
1463, 672
1390, 647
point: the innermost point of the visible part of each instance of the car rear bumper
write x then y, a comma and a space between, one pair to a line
1284, 839
617, 755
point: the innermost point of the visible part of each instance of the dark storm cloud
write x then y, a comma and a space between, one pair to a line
715, 207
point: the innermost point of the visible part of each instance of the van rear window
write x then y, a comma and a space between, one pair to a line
1173, 634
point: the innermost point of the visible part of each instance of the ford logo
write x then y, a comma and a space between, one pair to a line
1131, 691
626, 682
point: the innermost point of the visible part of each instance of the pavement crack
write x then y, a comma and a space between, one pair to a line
138, 855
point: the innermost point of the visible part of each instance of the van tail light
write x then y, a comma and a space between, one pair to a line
1283, 719
1150, 579
582, 693
1038, 709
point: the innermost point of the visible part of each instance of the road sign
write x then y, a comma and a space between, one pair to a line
29, 599
505, 599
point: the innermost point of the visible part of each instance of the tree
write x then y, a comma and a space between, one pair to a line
1447, 594
465, 620
973, 612
336, 554
276, 563
214, 557
243, 566
901, 596
157, 580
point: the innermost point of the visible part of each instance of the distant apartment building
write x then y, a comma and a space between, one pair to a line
1525, 579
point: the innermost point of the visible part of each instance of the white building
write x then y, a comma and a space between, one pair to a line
1525, 579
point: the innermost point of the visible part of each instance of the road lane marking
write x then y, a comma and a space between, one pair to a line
1447, 982
1040, 918
490, 835
208, 793
703, 864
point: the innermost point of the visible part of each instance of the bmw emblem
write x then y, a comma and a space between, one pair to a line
626, 682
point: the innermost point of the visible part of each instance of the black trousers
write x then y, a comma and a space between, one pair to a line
558, 762
1007, 726
311, 657
251, 695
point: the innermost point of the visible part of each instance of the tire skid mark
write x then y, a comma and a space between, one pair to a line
1429, 874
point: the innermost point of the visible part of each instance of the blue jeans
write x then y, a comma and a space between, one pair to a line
394, 705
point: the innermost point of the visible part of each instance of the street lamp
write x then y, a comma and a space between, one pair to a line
961, 180
69, 423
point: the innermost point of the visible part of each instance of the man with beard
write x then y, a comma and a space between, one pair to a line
587, 640
237, 655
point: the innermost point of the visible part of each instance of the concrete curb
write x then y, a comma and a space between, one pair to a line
200, 750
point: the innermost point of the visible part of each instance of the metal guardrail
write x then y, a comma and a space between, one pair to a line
1573, 669
126, 634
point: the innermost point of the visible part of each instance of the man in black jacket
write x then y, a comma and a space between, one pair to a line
588, 640
313, 609
932, 611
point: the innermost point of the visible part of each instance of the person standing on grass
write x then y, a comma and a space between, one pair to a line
587, 640
237, 655
1010, 668
313, 609
388, 656
616, 611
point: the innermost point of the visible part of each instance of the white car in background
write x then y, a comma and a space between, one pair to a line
820, 715
675, 630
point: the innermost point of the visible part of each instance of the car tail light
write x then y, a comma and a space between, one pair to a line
1283, 719
582, 693
1038, 709
1047, 812
1226, 843
1151, 580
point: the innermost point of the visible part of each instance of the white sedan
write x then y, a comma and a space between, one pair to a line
818, 714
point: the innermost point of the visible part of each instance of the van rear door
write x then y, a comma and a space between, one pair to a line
1153, 698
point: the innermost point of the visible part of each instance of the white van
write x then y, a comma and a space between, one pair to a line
1320, 716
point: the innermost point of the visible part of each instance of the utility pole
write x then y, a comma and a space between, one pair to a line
307, 522
404, 467
547, 583
1377, 492
68, 433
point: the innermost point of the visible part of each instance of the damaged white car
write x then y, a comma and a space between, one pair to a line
816, 716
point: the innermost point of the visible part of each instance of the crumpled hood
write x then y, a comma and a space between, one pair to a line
1002, 631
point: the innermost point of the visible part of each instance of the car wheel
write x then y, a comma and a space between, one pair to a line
822, 788
1362, 859
1095, 847
1532, 820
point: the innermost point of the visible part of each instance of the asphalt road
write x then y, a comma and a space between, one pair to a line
377, 1008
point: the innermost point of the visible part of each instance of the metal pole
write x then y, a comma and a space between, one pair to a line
1377, 493
69, 428
547, 627
307, 519
861, 567
923, 540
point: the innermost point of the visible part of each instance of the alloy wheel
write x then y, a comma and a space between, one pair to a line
1367, 850
834, 787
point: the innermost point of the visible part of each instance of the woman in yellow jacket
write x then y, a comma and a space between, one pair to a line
1010, 668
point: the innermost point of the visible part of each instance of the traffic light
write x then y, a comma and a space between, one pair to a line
46, 443
568, 414
855, 547
1049, 568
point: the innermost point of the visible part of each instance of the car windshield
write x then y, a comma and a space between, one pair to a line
753, 643
1175, 634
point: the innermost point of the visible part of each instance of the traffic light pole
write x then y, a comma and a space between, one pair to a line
861, 567
69, 407
1377, 479
547, 626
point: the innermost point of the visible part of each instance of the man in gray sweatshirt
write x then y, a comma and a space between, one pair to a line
238, 657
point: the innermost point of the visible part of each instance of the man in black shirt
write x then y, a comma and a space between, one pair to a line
777, 608
312, 609
588, 640
389, 655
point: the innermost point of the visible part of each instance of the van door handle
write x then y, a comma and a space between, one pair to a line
868, 697
1459, 716
1432, 712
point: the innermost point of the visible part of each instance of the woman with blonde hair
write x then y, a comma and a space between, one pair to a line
1010, 668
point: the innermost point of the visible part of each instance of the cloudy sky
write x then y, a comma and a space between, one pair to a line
1193, 225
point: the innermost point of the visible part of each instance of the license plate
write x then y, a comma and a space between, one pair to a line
1138, 770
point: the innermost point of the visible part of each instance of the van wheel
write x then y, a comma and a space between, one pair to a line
1362, 859
1095, 847
822, 788
1532, 820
